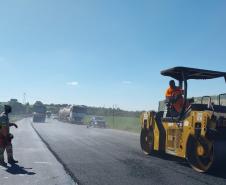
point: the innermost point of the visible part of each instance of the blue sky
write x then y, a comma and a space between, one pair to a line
105, 52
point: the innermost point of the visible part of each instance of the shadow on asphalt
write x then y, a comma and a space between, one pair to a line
219, 172
19, 170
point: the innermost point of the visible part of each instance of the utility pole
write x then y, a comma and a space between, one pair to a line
24, 99
114, 107
113, 116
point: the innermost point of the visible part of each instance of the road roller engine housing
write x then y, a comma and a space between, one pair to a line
197, 133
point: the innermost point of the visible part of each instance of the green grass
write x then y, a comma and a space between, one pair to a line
15, 118
87, 119
131, 124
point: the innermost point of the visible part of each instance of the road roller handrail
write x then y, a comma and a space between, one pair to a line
210, 99
219, 97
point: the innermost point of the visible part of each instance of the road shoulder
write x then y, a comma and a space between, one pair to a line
37, 165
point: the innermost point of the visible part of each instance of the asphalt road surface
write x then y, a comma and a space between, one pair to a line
37, 165
109, 157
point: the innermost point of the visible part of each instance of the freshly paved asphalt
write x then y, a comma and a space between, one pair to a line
109, 157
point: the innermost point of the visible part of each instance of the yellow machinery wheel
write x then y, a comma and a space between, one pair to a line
200, 157
147, 141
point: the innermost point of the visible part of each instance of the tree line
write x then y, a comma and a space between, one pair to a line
98, 111
27, 109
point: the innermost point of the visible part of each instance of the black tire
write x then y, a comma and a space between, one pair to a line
199, 163
147, 141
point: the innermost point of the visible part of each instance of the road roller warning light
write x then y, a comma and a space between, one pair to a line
197, 132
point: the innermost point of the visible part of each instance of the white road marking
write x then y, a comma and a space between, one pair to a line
40, 162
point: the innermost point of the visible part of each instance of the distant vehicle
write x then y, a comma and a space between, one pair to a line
97, 122
73, 114
48, 114
39, 112
55, 116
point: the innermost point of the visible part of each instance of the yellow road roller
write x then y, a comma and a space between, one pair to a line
197, 133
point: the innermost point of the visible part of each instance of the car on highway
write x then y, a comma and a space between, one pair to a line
97, 122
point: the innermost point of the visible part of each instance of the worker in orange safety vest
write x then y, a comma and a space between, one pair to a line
174, 95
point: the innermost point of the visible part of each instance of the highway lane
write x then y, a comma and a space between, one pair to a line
109, 157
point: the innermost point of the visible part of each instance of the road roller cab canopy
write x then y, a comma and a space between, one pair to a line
186, 73
183, 74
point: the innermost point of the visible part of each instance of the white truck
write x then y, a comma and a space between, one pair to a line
73, 114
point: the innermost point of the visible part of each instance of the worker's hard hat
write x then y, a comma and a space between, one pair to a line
172, 83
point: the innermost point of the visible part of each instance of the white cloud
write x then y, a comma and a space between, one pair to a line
127, 82
73, 83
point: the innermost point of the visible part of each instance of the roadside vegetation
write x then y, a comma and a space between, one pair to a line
116, 118
15, 118
131, 124
124, 123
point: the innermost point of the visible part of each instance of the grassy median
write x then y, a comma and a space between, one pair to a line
131, 124
15, 118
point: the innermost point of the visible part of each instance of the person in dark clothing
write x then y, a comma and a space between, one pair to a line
6, 137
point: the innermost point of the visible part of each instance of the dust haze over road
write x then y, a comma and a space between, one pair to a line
105, 156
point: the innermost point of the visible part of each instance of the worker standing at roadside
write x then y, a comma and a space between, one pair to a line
174, 95
6, 137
